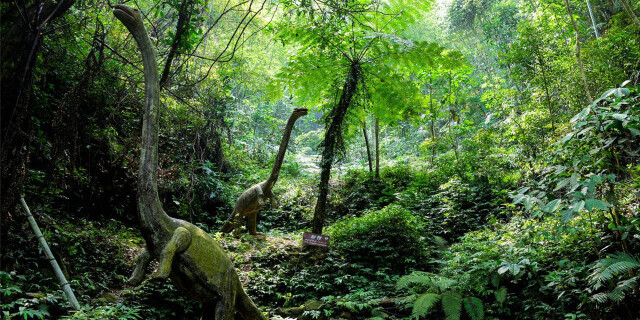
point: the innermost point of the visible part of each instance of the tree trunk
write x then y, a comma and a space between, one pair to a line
633, 16
329, 145
184, 16
366, 142
432, 126
377, 129
584, 77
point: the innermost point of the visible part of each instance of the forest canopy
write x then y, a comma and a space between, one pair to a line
467, 159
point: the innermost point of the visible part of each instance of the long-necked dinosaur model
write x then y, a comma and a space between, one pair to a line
189, 256
254, 198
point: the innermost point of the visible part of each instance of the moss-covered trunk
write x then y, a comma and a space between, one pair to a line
330, 142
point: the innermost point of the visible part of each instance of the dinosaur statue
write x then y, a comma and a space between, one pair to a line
254, 198
187, 255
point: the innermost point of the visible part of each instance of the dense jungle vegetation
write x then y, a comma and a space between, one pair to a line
469, 159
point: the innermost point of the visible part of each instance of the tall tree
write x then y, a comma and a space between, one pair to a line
350, 51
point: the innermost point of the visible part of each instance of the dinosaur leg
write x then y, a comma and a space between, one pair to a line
226, 307
208, 310
236, 225
179, 242
141, 265
252, 220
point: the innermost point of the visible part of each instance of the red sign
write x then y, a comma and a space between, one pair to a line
313, 239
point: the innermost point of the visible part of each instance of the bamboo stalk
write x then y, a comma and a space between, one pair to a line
56, 268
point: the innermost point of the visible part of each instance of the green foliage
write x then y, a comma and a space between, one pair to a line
620, 266
386, 239
525, 268
361, 191
440, 289
454, 208
107, 312
16, 304
585, 171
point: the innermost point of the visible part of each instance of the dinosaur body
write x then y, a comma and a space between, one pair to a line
254, 198
190, 257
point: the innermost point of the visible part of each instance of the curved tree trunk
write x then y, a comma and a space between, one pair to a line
329, 145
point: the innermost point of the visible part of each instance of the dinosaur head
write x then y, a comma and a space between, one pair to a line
299, 112
130, 17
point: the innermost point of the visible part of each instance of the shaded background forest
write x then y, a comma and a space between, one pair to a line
507, 180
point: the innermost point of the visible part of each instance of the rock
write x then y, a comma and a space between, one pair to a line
295, 311
313, 305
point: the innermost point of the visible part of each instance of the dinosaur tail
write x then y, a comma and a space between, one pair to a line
230, 224
247, 309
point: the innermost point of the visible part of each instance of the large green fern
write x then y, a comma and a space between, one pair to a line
606, 270
438, 289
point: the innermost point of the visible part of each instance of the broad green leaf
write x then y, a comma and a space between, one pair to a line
567, 215
591, 204
567, 137
501, 294
581, 115
562, 184
619, 116
503, 269
552, 206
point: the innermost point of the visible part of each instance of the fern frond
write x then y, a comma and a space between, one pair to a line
445, 283
416, 277
452, 304
600, 297
424, 304
616, 295
473, 307
606, 269
628, 284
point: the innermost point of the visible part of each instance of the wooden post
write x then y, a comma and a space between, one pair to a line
56, 268
593, 20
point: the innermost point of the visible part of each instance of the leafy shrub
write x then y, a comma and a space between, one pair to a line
361, 191
453, 209
540, 267
293, 208
387, 239
16, 305
107, 312
213, 198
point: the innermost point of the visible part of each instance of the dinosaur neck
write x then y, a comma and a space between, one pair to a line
275, 171
153, 219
